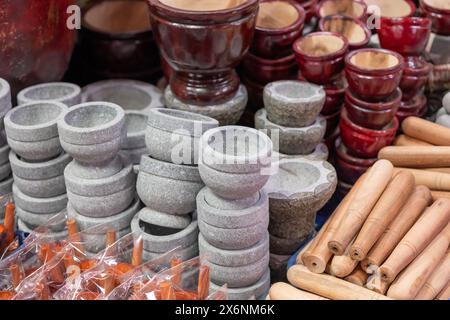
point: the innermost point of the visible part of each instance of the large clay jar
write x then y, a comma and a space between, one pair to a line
203, 41
35, 43
115, 46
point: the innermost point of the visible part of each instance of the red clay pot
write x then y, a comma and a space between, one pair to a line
320, 56
343, 153
276, 42
333, 7
413, 105
332, 122
389, 103
440, 17
203, 48
415, 76
335, 92
355, 31
265, 70
373, 73
310, 8
401, 8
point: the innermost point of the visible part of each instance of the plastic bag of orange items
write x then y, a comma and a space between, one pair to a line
8, 241
187, 280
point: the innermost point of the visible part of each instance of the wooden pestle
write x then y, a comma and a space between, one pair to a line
284, 291
426, 131
416, 156
328, 286
342, 266
9, 222
317, 257
441, 170
203, 282
432, 221
406, 141
16, 275
433, 180
358, 277
167, 290
375, 283
411, 280
74, 238
437, 281
111, 238
413, 208
445, 293
138, 247
440, 194
386, 209
176, 271
367, 195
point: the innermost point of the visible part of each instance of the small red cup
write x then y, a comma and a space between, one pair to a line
335, 93
415, 76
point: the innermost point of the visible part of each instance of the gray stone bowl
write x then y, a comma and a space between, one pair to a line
34, 220
184, 254
168, 187
99, 170
300, 187
227, 113
40, 179
39, 205
446, 102
292, 103
256, 291
131, 95
52, 236
233, 238
118, 221
94, 242
222, 215
4, 154
5, 100
301, 227
135, 125
444, 120
282, 246
92, 132
6, 186
135, 155
64, 92
164, 220
320, 153
32, 130
293, 141
5, 170
157, 242
173, 135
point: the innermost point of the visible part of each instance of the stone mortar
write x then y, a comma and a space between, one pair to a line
95, 243
64, 92
52, 236
226, 113
293, 229
6, 186
320, 153
45, 188
444, 120
162, 219
223, 204
233, 258
233, 238
293, 103
99, 171
168, 187
162, 244
38, 170
40, 151
135, 155
135, 124
34, 220
184, 254
5, 170
283, 246
299, 188
4, 154
131, 95
39, 205
293, 140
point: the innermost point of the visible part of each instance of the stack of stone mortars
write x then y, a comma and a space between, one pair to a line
233, 211
37, 161
6, 179
168, 182
101, 183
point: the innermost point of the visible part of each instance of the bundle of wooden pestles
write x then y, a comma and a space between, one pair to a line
7, 231
386, 240
423, 150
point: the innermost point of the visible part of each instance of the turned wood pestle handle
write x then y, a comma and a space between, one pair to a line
416, 156
426, 131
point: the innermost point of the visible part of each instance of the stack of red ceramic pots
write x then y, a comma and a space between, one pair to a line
368, 121
279, 24
310, 8
358, 10
409, 37
438, 11
320, 56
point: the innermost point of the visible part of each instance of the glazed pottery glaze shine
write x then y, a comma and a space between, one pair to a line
203, 41
439, 13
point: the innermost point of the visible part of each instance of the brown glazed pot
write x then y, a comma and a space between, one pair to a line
203, 48
114, 48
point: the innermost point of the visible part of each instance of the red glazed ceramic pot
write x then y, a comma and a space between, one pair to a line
330, 140
343, 153
439, 14
320, 56
390, 8
415, 76
203, 46
389, 103
332, 122
278, 25
355, 31
358, 10
364, 142
335, 92
419, 109
264, 70
414, 105
347, 172
35, 43
115, 47
407, 36
310, 8
255, 93
373, 73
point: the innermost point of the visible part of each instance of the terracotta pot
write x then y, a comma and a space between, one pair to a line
439, 14
203, 45
34, 33
320, 56
415, 76
278, 25
113, 46
355, 31
373, 73
264, 71
358, 10
407, 36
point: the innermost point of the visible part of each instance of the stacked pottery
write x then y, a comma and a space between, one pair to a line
233, 211
168, 182
368, 121
279, 24
203, 41
353, 9
37, 162
63, 92
299, 189
6, 179
320, 56
291, 117
100, 182
310, 8
409, 37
